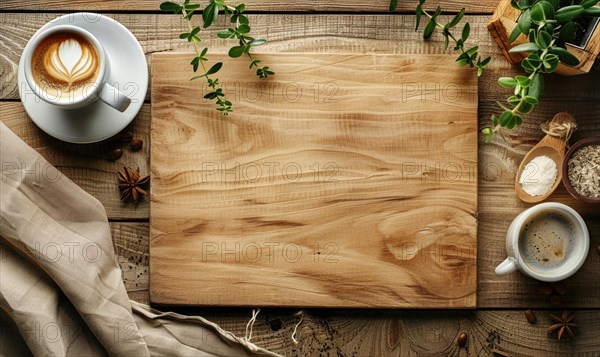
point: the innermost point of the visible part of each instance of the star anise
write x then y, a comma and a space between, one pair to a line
562, 323
130, 182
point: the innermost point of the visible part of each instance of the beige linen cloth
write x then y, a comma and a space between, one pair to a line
61, 292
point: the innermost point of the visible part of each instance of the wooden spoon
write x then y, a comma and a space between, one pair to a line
552, 147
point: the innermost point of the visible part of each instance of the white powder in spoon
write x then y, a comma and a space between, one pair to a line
538, 176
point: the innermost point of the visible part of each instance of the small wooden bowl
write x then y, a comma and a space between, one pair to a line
565, 168
554, 149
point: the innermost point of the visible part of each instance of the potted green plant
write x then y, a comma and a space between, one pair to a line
543, 27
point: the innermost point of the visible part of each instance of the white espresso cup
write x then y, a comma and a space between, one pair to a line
542, 247
66, 61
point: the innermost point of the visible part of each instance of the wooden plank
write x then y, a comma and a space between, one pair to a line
302, 33
328, 156
498, 204
498, 163
286, 33
411, 333
131, 244
251, 5
326, 33
86, 165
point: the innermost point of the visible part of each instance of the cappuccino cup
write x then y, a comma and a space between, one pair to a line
548, 242
67, 66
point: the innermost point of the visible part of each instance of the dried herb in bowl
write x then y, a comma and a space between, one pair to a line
583, 171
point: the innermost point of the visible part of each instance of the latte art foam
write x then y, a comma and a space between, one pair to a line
65, 64
69, 62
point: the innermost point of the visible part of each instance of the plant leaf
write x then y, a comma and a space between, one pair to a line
243, 29
564, 56
525, 108
214, 69
257, 42
544, 39
592, 11
465, 32
419, 13
568, 13
523, 81
505, 118
507, 82
393, 5
514, 34
525, 47
536, 89
550, 62
531, 100
588, 3
429, 29
568, 31
513, 99
237, 51
208, 15
542, 11
456, 19
225, 34
170, 7
524, 22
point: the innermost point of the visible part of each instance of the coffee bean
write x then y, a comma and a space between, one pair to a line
530, 315
114, 154
598, 249
462, 339
136, 144
555, 300
126, 136
545, 288
560, 288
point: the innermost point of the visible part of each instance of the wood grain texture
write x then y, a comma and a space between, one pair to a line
300, 33
285, 33
331, 184
485, 7
326, 33
86, 165
411, 333
131, 244
359, 333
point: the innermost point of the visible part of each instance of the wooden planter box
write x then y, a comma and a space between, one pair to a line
504, 21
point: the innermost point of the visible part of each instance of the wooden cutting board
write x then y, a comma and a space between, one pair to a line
342, 181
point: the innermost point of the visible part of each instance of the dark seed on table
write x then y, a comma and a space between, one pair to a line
114, 154
136, 144
530, 315
462, 339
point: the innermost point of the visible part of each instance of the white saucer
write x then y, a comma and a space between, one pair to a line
97, 121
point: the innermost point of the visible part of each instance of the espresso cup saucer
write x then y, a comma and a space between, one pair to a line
97, 121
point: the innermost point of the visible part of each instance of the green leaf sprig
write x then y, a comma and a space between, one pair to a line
548, 24
468, 56
239, 30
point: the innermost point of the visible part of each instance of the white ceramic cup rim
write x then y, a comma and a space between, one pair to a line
582, 235
98, 83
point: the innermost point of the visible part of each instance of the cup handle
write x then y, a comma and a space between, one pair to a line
508, 266
111, 96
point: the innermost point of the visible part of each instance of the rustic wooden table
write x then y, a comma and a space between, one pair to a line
355, 26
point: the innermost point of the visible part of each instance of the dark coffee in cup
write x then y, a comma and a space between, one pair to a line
65, 65
548, 241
